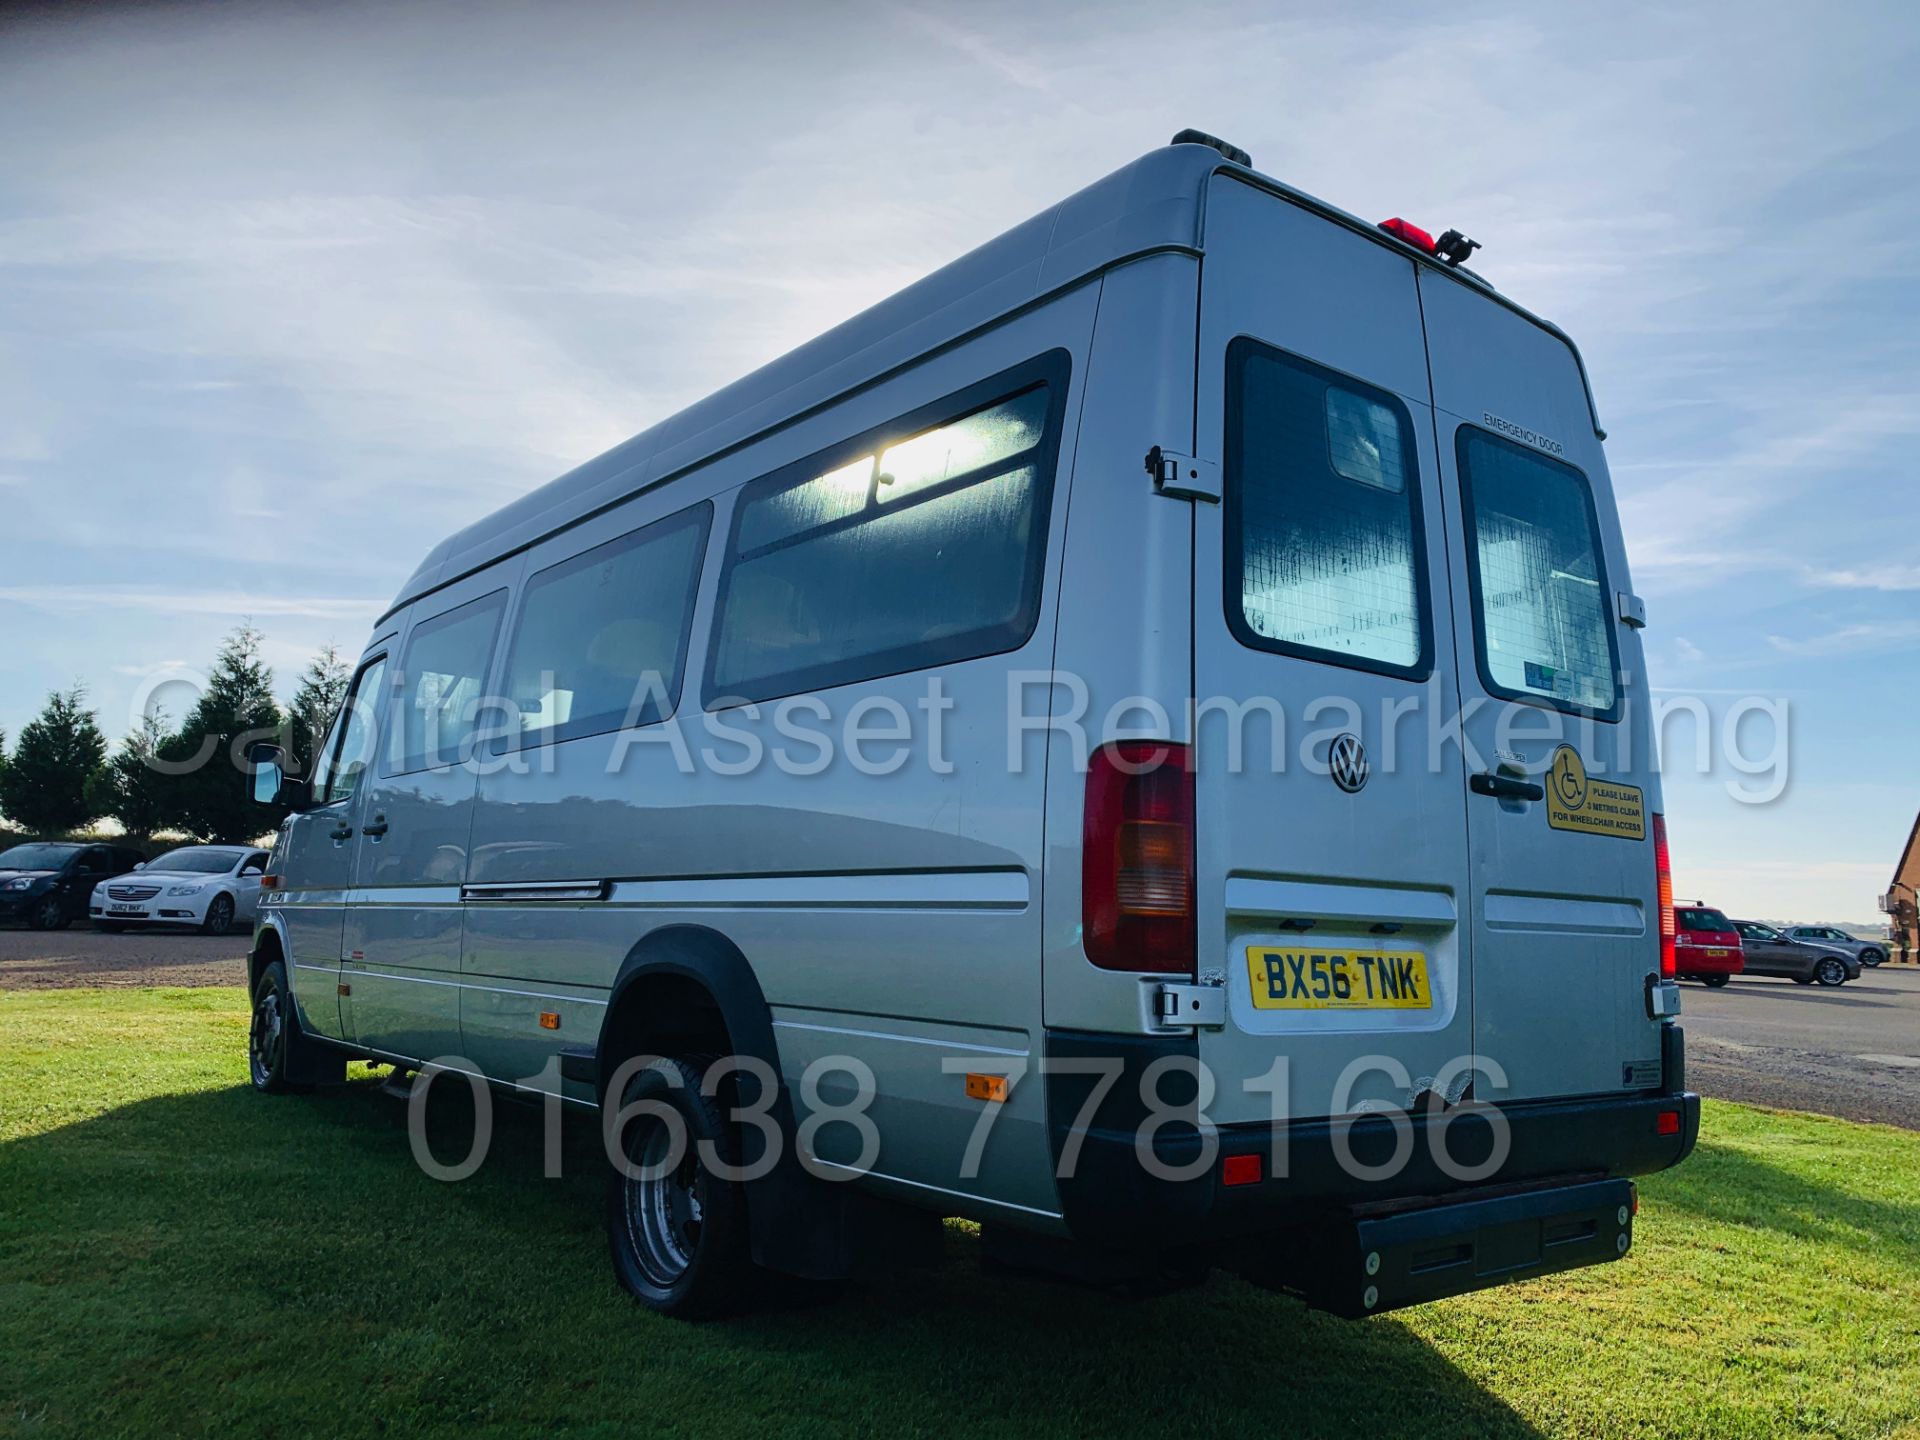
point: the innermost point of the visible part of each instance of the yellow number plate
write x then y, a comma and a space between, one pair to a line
1338, 979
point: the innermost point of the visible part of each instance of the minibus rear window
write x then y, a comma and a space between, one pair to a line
1326, 552
1540, 601
920, 544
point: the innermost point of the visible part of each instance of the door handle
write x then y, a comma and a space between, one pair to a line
340, 832
1506, 787
375, 827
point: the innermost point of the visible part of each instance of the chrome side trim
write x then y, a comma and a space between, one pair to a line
539, 890
924, 890
968, 1195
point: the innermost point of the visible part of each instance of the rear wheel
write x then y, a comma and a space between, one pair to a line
219, 919
678, 1230
49, 914
1714, 982
1830, 971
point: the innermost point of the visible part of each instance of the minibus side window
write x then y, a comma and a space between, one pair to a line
1540, 600
920, 544
601, 640
437, 700
1326, 551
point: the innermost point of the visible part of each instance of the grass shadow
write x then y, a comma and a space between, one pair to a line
219, 1260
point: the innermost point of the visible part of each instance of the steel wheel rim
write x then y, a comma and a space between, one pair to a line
220, 915
663, 1208
1830, 972
264, 1039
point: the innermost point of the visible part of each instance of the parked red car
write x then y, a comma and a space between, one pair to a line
1706, 947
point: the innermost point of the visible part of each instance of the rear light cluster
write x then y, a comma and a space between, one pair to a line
1663, 881
1136, 884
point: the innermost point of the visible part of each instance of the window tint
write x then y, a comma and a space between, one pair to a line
1326, 550
921, 545
1539, 589
1704, 920
602, 638
436, 698
349, 746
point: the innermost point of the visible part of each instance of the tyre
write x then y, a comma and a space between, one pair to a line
273, 1033
109, 927
1803, 980
677, 1230
1830, 971
1715, 982
48, 914
1871, 957
219, 918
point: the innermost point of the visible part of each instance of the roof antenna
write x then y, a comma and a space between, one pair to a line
1213, 142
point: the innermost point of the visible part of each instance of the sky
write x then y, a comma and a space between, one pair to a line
288, 292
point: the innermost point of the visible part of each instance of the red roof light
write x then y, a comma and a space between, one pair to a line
1406, 230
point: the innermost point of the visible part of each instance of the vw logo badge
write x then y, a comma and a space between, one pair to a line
1348, 760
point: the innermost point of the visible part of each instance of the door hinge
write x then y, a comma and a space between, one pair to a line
1191, 1006
1182, 476
1663, 998
1633, 610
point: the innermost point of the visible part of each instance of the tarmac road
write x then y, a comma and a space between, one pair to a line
1852, 1051
80, 955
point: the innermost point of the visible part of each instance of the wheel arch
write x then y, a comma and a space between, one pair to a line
689, 989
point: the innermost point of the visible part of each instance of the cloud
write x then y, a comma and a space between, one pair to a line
1849, 639
236, 603
1869, 577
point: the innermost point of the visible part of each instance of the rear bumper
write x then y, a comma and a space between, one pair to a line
1366, 1263
1313, 1173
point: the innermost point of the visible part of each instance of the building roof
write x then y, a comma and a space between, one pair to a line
1156, 203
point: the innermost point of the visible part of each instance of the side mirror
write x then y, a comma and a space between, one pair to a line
271, 783
140, 865
251, 870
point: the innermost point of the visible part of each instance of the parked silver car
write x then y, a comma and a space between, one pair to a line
1767, 951
1867, 952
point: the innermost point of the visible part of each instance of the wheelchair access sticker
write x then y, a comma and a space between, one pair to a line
1593, 807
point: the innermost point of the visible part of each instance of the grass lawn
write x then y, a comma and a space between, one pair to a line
180, 1256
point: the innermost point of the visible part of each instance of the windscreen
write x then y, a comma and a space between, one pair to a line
196, 860
36, 857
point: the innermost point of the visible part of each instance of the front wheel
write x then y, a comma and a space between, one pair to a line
1715, 982
219, 919
678, 1230
49, 914
271, 1035
1803, 980
109, 927
1871, 957
1830, 972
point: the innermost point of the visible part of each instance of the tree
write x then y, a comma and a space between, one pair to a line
44, 787
131, 787
323, 685
207, 794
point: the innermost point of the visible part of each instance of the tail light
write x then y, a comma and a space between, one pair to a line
1136, 882
1663, 881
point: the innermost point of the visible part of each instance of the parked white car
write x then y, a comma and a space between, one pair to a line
213, 887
